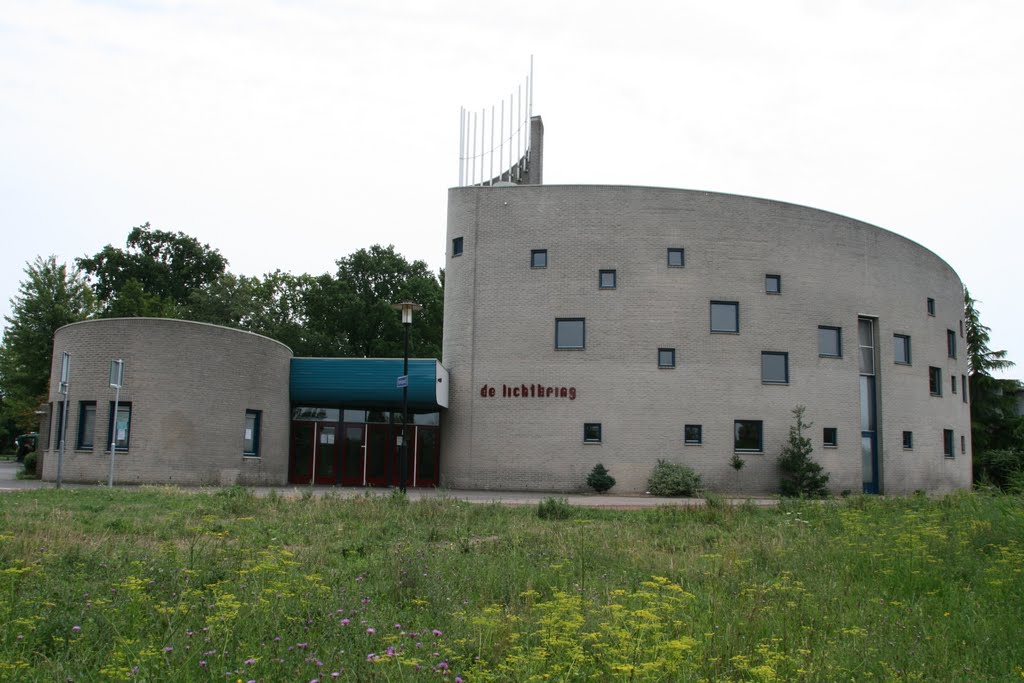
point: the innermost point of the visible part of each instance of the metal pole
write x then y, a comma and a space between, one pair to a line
65, 372
403, 462
113, 435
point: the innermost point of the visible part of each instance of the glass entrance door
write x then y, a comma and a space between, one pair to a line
380, 454
353, 455
425, 459
301, 465
314, 446
326, 454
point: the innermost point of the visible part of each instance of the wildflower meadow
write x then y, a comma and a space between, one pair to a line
162, 585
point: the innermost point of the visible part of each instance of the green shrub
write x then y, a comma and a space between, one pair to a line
30, 463
554, 508
673, 479
599, 479
801, 476
997, 467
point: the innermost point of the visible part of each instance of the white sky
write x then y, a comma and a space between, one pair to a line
289, 134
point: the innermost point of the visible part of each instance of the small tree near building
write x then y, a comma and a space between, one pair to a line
599, 479
801, 476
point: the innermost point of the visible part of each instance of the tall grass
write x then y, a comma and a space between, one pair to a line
161, 585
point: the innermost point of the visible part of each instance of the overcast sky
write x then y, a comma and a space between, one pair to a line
289, 134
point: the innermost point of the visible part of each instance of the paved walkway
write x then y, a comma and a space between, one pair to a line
9, 482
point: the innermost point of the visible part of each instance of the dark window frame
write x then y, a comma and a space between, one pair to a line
122, 405
693, 435
839, 341
951, 343
785, 359
905, 338
458, 244
830, 437
561, 347
777, 279
963, 387
592, 432
538, 258
257, 427
948, 443
601, 275
676, 251
931, 306
952, 383
934, 380
758, 426
736, 308
908, 441
672, 359
80, 444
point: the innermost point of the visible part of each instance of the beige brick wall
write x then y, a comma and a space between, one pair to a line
500, 325
189, 385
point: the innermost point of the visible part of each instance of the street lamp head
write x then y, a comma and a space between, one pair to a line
407, 307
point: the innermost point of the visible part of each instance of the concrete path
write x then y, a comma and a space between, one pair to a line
8, 482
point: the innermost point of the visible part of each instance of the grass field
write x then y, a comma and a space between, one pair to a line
161, 585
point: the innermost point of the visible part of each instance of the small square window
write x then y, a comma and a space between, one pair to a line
747, 436
725, 317
539, 258
901, 343
606, 279
931, 306
676, 257
908, 441
935, 381
947, 443
953, 383
951, 343
692, 435
774, 367
592, 432
666, 358
773, 284
829, 437
570, 333
251, 434
830, 342
457, 246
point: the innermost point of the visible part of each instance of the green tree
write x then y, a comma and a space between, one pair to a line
155, 275
801, 476
49, 297
997, 431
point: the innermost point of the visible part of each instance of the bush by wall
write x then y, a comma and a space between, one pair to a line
673, 479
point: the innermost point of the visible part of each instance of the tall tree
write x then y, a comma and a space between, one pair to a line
994, 420
154, 275
49, 297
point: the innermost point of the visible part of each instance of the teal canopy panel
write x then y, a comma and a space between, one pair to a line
368, 382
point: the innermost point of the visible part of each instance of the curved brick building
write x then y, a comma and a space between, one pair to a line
623, 325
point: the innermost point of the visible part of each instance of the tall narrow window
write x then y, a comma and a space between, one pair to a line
457, 246
952, 383
251, 434
901, 342
931, 306
830, 342
963, 444
774, 367
86, 425
773, 284
119, 431
951, 343
676, 257
963, 386
830, 437
747, 436
538, 258
606, 279
908, 441
725, 317
947, 443
935, 381
570, 333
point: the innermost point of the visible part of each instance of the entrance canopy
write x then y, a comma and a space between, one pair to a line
368, 382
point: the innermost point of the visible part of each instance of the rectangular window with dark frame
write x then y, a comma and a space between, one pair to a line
951, 343
774, 367
86, 439
961, 329
676, 257
830, 342
931, 306
251, 434
725, 317
830, 437
952, 383
666, 358
692, 435
457, 246
123, 434
570, 333
606, 279
538, 258
935, 381
748, 436
947, 443
592, 432
963, 444
908, 441
773, 284
963, 386
901, 344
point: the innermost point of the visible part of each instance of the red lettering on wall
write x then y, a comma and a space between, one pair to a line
529, 391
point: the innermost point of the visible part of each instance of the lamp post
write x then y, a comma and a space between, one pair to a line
406, 307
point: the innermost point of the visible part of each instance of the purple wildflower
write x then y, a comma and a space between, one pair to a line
76, 629
437, 633
371, 630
